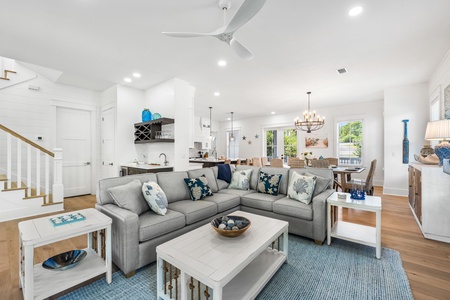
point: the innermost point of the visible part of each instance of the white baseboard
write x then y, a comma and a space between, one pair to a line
395, 192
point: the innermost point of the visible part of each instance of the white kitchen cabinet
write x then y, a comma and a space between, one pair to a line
429, 190
198, 130
191, 107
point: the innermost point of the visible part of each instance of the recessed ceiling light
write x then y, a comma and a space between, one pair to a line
137, 75
126, 79
341, 71
216, 94
222, 63
228, 119
355, 11
273, 113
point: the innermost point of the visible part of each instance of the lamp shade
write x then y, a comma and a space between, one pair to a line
439, 130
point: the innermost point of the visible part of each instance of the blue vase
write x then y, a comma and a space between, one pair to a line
146, 115
405, 142
442, 150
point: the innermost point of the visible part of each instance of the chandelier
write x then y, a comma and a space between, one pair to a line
310, 121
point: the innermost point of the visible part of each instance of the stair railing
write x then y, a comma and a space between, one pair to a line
57, 186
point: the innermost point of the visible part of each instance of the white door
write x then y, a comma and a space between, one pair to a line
109, 169
73, 135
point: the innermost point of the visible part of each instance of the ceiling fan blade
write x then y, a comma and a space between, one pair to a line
241, 50
247, 11
186, 34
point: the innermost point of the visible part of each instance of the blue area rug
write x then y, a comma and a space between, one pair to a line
343, 270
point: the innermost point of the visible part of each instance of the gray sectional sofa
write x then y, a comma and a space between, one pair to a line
135, 237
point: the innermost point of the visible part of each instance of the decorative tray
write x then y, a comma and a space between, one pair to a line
67, 219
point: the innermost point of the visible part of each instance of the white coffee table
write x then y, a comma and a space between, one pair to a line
202, 262
39, 283
357, 233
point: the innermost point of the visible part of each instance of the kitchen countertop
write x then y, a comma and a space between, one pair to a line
146, 166
206, 160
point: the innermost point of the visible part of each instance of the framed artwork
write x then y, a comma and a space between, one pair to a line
316, 141
447, 102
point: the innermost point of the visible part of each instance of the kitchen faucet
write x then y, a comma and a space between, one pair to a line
214, 153
165, 159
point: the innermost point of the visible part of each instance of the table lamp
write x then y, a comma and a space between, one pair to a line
439, 130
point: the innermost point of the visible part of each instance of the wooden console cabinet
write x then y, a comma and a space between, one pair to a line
429, 194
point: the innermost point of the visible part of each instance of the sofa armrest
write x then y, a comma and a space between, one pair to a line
319, 203
124, 237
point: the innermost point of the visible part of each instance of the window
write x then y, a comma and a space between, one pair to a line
271, 144
233, 146
290, 143
350, 142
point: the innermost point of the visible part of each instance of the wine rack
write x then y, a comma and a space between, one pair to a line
145, 132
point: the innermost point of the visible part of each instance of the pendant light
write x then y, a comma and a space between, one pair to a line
310, 121
231, 134
212, 138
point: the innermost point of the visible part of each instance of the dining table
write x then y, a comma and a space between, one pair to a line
345, 174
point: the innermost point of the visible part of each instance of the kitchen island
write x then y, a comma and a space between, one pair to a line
134, 168
207, 162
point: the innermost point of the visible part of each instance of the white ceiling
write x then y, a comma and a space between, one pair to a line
298, 45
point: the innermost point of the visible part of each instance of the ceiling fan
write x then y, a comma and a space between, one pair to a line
245, 13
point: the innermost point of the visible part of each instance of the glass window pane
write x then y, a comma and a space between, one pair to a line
350, 142
290, 143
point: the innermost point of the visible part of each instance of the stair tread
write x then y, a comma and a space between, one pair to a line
3, 177
14, 186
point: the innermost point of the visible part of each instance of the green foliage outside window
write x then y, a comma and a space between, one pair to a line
290, 142
352, 133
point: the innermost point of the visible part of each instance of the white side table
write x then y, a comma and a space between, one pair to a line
357, 233
39, 283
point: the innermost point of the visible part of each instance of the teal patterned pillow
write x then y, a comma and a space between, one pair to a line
301, 187
268, 184
198, 187
241, 180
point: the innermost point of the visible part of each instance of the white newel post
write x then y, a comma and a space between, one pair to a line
8, 160
58, 188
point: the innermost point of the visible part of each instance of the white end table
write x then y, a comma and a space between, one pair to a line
357, 233
39, 283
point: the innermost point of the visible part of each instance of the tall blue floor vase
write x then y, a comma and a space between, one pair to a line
405, 142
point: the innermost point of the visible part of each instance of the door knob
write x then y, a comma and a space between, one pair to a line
111, 164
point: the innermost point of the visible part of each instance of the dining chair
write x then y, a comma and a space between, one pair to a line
276, 163
244, 162
295, 162
368, 187
256, 161
238, 161
334, 161
227, 161
264, 161
320, 163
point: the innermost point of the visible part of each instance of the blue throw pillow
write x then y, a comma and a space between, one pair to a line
268, 184
198, 187
224, 172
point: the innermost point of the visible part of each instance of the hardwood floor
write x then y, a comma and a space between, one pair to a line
427, 262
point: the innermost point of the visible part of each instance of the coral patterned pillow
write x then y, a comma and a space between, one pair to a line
301, 187
268, 184
198, 187
240, 180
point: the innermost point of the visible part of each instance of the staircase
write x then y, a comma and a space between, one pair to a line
26, 188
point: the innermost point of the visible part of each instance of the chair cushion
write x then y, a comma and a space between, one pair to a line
260, 201
173, 185
210, 176
284, 178
268, 184
293, 208
155, 197
152, 225
224, 172
198, 187
129, 196
225, 201
241, 180
254, 176
194, 211
301, 187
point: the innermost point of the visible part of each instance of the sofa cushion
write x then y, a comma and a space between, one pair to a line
239, 193
102, 194
260, 201
269, 184
254, 177
293, 208
173, 185
224, 172
152, 225
155, 197
241, 180
210, 176
284, 178
301, 187
129, 196
194, 211
222, 184
322, 172
198, 187
225, 201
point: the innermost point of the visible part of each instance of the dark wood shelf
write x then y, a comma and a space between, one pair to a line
145, 132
